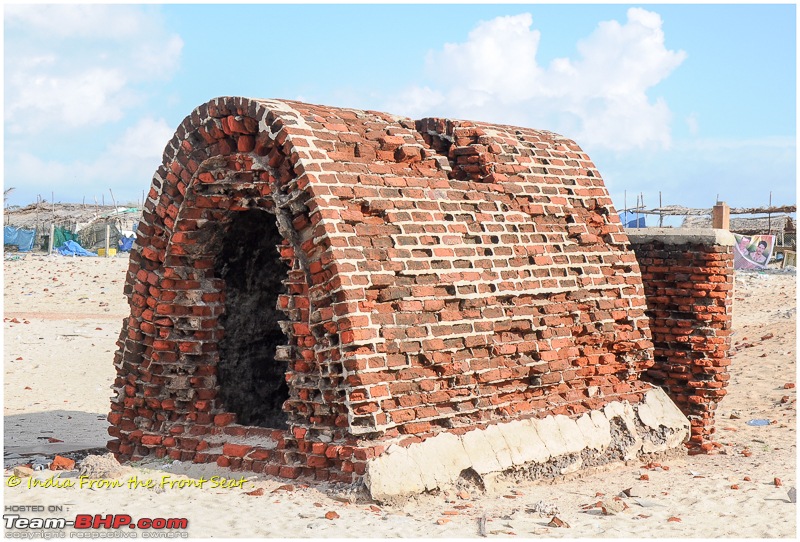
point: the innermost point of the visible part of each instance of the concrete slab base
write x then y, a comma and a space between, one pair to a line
537, 448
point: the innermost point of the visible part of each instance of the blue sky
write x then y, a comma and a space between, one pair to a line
689, 100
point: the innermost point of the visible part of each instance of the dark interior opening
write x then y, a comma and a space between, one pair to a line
252, 382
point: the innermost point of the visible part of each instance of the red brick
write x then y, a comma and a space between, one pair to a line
236, 450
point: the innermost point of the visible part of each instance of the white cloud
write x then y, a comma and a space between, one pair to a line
486, 64
69, 66
136, 154
40, 100
599, 98
80, 21
144, 140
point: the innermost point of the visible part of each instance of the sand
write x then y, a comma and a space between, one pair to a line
58, 371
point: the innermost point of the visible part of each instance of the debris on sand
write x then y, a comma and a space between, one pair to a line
543, 509
101, 466
62, 463
556, 522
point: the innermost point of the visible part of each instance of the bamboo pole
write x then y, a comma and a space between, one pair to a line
769, 215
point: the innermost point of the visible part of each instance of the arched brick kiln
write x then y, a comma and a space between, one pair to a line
337, 293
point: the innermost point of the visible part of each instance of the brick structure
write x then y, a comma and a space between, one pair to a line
688, 281
431, 277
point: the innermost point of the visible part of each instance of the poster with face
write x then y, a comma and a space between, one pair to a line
752, 251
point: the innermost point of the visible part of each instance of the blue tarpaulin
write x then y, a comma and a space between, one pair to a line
71, 248
19, 237
630, 220
125, 243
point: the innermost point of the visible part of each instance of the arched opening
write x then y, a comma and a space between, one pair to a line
252, 382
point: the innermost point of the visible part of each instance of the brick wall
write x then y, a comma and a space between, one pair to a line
688, 281
437, 276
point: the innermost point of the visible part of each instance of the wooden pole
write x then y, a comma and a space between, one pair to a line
660, 214
769, 215
113, 200
108, 234
638, 207
52, 236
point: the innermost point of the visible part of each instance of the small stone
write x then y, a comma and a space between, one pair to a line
23, 472
464, 495
788, 386
256, 492
735, 486
644, 477
612, 507
792, 493
673, 518
442, 521
778, 482
748, 479
331, 515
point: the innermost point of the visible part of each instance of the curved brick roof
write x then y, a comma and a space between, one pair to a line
440, 274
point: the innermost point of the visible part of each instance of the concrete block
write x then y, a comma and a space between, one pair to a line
441, 460
681, 236
394, 475
654, 425
480, 452
532, 447
594, 436
550, 433
571, 434
497, 441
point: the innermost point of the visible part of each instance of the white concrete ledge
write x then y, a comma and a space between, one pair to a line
681, 236
618, 432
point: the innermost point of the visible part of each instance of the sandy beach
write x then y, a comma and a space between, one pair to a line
62, 317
